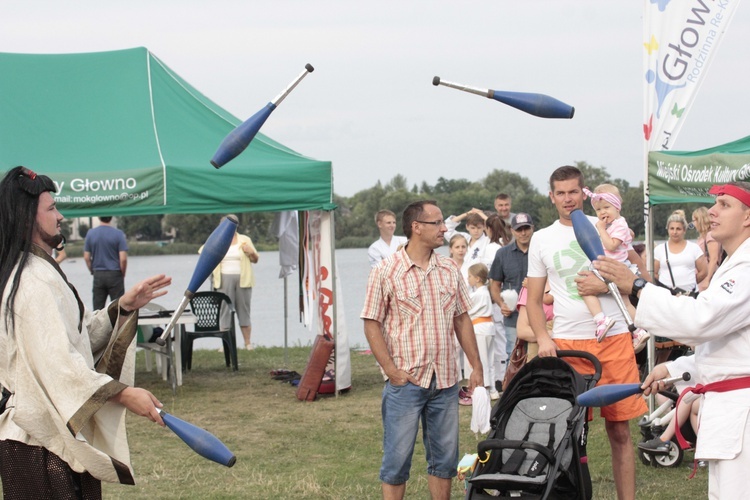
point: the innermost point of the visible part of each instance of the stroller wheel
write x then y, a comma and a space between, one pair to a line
671, 459
645, 457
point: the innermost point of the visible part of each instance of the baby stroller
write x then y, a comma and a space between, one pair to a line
537, 445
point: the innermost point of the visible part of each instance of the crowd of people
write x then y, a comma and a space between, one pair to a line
432, 321
536, 285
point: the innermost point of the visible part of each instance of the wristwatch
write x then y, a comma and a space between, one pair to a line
638, 285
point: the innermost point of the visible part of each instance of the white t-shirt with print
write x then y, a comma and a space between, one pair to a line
554, 253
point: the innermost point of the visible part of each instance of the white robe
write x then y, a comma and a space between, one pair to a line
61, 377
380, 250
718, 324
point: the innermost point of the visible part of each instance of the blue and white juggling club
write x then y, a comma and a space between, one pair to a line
591, 245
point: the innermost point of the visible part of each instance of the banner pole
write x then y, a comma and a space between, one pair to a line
286, 326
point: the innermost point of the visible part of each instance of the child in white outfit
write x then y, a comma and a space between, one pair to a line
481, 317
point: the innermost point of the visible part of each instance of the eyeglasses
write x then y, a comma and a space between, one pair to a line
437, 223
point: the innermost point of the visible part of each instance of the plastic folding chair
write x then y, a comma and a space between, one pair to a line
206, 307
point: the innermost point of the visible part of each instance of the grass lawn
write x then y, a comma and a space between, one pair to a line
328, 449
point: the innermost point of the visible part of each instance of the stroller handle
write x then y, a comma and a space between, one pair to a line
587, 356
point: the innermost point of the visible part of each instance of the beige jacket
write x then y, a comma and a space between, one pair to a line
247, 276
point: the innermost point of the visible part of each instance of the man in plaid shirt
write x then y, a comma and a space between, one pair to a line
416, 300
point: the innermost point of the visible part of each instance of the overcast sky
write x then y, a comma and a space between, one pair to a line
370, 106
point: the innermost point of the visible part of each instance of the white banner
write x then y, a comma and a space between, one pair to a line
326, 290
680, 38
322, 270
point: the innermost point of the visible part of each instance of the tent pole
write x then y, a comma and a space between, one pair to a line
334, 305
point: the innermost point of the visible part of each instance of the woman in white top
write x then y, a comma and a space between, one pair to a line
499, 235
234, 277
679, 263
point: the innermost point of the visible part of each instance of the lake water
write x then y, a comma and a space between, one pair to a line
268, 295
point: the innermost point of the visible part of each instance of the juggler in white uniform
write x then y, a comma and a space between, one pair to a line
718, 324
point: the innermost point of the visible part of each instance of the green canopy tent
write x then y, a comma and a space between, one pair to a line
686, 176
123, 134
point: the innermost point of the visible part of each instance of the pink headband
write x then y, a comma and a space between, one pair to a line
733, 191
610, 198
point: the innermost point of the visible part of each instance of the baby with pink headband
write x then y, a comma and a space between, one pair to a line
616, 238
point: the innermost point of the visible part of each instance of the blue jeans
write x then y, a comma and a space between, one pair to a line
403, 407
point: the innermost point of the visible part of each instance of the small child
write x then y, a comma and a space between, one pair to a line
616, 236
481, 317
475, 238
457, 249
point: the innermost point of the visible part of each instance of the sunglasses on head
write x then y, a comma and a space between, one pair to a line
33, 183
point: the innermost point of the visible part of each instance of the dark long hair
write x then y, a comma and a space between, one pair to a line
500, 232
19, 199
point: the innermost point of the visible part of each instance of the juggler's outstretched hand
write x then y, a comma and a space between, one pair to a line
144, 292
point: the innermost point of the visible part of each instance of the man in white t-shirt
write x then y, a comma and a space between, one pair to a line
554, 255
388, 243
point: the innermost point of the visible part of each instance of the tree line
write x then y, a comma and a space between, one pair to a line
354, 217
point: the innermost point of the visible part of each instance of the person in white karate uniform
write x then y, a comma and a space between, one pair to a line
717, 323
388, 243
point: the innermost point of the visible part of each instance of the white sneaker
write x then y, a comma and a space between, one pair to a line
602, 327
494, 395
640, 338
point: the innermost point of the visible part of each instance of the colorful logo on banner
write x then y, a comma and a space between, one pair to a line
681, 38
320, 278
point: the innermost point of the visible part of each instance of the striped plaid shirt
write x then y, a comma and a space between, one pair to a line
415, 309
